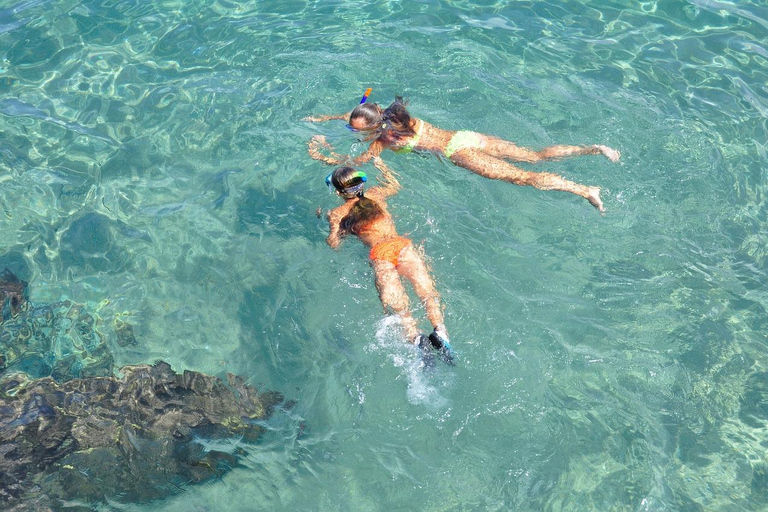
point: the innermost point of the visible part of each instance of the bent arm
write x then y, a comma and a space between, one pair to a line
334, 240
334, 237
330, 117
314, 145
373, 151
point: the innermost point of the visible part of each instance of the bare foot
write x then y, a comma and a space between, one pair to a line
594, 199
610, 154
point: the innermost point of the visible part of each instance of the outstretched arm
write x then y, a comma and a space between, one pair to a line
331, 117
317, 142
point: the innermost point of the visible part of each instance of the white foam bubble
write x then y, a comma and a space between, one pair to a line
389, 340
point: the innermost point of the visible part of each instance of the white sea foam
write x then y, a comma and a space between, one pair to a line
405, 356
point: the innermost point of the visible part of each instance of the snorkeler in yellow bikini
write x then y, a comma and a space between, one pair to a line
393, 128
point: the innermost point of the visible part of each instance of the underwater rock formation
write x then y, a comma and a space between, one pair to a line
73, 435
58, 339
12, 294
129, 439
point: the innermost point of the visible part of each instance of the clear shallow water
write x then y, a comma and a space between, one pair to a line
154, 168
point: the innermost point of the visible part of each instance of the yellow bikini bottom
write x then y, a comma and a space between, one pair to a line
463, 140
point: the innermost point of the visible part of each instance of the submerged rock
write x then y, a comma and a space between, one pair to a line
12, 295
58, 339
129, 439
73, 435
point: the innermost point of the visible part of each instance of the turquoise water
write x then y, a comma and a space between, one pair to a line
154, 168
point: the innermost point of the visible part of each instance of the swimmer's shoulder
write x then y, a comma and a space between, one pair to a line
336, 214
377, 194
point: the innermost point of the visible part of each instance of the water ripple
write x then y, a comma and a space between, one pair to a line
153, 150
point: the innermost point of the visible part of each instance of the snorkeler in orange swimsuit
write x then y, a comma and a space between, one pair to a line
393, 128
392, 256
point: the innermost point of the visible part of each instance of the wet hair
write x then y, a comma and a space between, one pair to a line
365, 210
370, 112
397, 118
346, 177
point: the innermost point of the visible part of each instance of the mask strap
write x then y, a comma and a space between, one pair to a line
353, 191
355, 188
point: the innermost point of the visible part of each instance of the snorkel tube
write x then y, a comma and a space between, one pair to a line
365, 96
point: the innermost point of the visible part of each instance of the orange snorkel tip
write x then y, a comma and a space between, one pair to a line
365, 96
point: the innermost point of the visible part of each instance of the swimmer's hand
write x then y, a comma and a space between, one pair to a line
316, 143
319, 140
312, 119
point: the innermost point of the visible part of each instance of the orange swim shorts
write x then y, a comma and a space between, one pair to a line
389, 249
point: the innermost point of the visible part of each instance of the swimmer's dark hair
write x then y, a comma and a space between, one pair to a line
398, 119
370, 112
344, 177
364, 211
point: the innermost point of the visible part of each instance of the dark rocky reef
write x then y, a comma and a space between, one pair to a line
60, 339
129, 439
74, 436
12, 294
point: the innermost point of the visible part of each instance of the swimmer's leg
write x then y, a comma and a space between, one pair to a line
394, 297
500, 148
488, 166
411, 264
